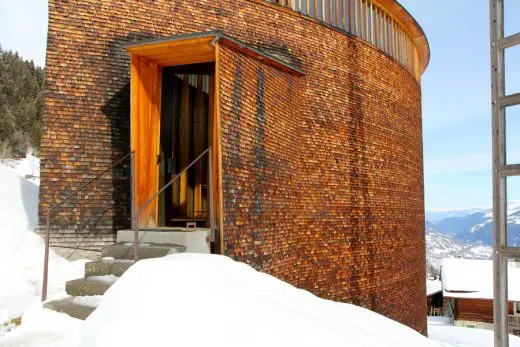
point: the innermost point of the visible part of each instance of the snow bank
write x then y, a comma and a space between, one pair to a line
21, 250
44, 328
28, 167
471, 278
203, 300
18, 200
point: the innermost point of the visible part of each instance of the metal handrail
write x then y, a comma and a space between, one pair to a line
139, 209
55, 206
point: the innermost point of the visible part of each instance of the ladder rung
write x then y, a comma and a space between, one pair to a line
510, 170
509, 41
511, 252
509, 100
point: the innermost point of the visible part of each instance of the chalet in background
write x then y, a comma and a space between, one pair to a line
468, 293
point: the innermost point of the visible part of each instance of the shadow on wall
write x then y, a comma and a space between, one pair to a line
361, 231
117, 111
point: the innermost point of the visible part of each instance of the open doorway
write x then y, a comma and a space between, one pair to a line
186, 117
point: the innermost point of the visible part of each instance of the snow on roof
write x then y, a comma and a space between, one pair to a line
472, 278
433, 287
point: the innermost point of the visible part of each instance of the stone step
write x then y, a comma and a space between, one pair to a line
107, 267
71, 306
146, 250
88, 286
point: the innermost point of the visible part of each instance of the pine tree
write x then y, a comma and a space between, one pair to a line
21, 104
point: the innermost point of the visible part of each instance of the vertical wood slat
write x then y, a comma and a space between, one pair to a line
361, 18
384, 32
397, 43
367, 21
372, 36
331, 22
184, 148
394, 44
338, 9
376, 27
199, 135
343, 14
350, 16
356, 17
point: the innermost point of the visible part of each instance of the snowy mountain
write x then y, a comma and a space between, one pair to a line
436, 215
475, 225
439, 246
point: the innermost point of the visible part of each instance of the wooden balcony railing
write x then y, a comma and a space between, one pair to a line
367, 20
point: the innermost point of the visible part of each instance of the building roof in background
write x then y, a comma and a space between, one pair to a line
472, 278
433, 287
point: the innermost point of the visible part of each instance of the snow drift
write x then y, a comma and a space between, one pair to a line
21, 250
211, 300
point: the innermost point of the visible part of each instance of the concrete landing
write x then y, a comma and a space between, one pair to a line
125, 250
195, 240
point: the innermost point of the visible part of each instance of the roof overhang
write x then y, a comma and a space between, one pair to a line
199, 47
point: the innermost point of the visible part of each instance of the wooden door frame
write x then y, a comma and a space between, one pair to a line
147, 60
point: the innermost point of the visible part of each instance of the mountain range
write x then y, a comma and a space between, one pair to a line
474, 225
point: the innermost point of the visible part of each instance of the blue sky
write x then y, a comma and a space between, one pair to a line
455, 87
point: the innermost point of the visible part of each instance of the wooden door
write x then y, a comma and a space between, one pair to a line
145, 128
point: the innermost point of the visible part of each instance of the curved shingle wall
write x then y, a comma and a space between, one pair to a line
322, 175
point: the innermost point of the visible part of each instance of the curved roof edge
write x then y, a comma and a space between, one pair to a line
395, 10
413, 28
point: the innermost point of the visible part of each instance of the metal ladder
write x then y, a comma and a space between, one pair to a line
501, 170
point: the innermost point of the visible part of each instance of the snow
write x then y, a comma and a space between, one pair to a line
21, 250
178, 296
18, 200
107, 279
44, 328
28, 167
472, 278
441, 330
91, 301
441, 246
433, 287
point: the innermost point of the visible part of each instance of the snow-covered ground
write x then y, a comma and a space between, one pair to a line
21, 250
200, 297
441, 330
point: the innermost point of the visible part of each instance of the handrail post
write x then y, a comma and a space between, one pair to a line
210, 191
48, 222
136, 236
135, 213
46, 256
132, 189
